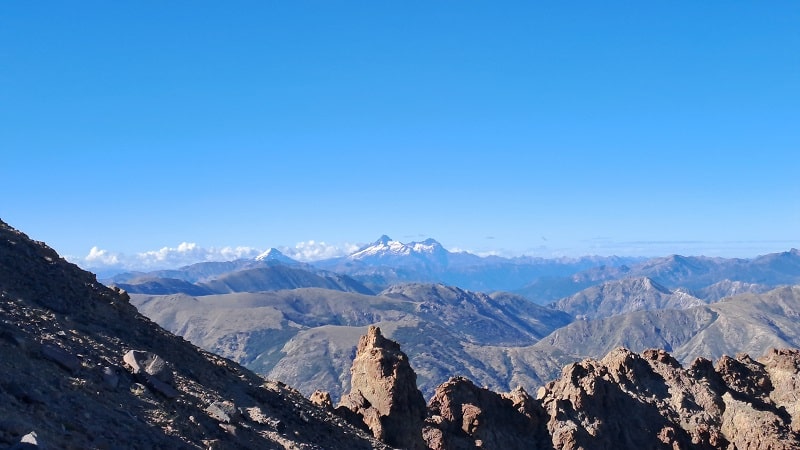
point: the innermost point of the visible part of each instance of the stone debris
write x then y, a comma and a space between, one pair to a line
152, 370
110, 377
223, 411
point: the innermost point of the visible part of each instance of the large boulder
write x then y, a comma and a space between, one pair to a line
152, 370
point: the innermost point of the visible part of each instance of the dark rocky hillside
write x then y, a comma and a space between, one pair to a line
69, 378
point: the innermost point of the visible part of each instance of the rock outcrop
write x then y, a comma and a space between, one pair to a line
632, 401
623, 401
463, 416
384, 392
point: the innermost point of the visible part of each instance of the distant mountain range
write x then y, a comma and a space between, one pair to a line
376, 267
298, 322
386, 262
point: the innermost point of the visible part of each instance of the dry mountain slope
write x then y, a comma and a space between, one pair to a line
69, 375
306, 337
696, 274
621, 296
273, 277
750, 323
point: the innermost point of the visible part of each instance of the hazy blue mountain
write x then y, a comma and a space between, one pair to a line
696, 273
163, 286
728, 288
272, 277
280, 277
386, 262
623, 296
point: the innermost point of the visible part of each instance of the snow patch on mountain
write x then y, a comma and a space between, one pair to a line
387, 247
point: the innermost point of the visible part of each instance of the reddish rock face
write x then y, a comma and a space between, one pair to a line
462, 415
623, 401
384, 392
628, 401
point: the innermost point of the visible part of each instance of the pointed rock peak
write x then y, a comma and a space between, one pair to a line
651, 284
383, 240
374, 339
272, 254
431, 242
384, 392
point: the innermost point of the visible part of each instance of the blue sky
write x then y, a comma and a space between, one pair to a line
543, 128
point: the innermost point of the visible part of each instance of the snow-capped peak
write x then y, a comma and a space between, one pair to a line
386, 247
273, 254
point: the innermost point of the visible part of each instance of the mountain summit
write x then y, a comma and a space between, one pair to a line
273, 254
385, 248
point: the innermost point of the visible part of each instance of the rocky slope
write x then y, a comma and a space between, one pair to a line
82, 369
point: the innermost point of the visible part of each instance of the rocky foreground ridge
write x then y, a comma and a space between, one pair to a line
622, 401
81, 368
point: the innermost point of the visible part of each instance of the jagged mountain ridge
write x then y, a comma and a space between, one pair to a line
621, 296
250, 277
750, 323
696, 274
623, 401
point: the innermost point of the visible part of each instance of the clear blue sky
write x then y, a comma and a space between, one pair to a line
524, 127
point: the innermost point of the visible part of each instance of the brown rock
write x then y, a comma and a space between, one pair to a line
384, 392
783, 367
462, 415
322, 399
628, 401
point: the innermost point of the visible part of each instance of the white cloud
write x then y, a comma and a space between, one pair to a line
187, 253
102, 257
166, 257
314, 251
